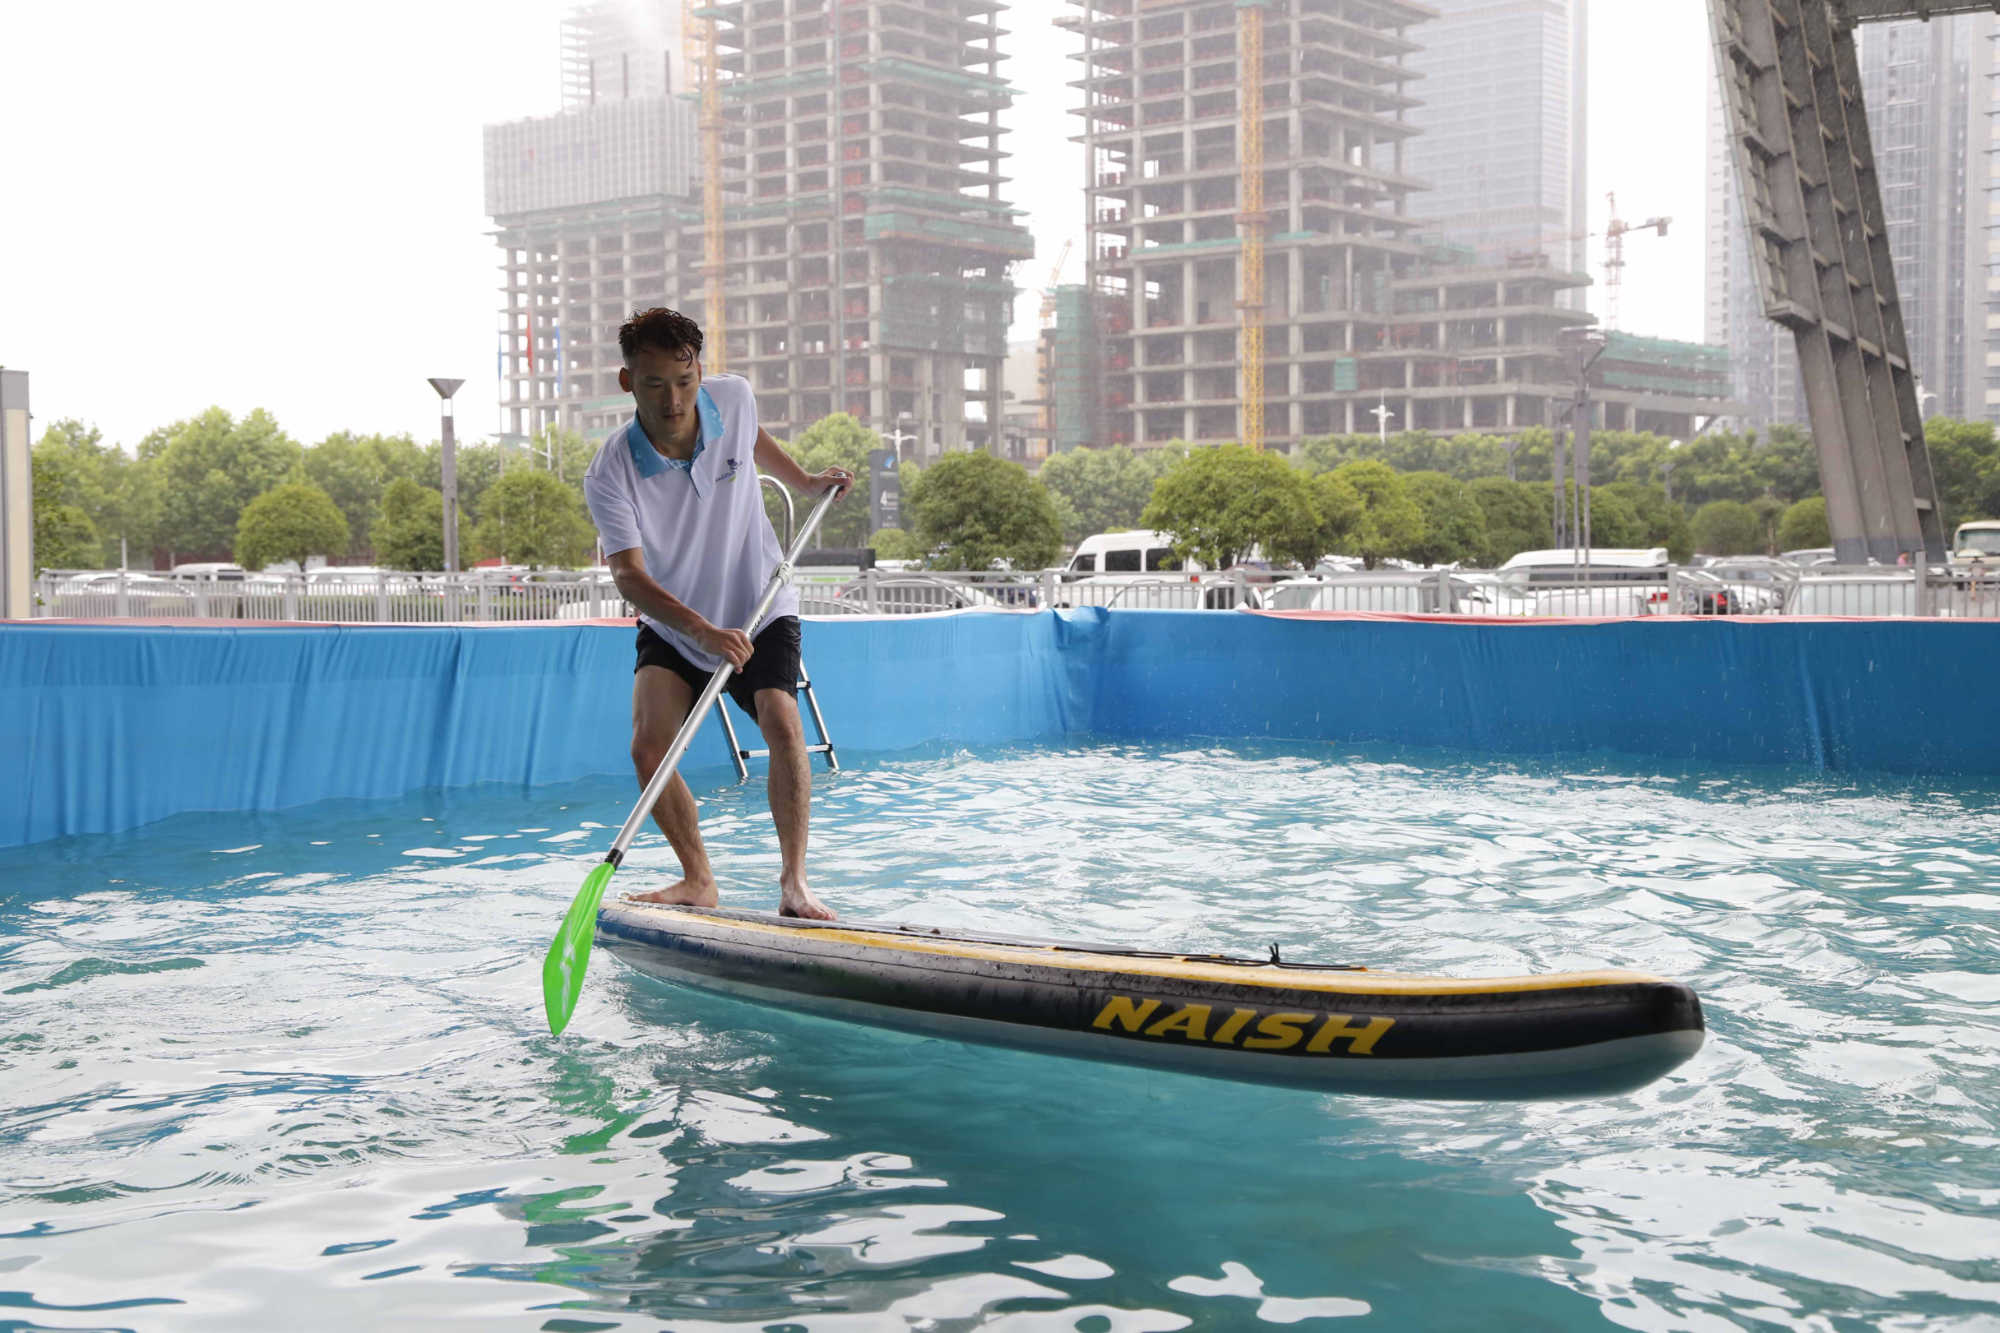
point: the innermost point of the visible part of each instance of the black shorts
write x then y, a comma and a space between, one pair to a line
773, 664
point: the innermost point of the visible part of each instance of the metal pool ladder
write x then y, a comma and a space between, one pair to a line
737, 754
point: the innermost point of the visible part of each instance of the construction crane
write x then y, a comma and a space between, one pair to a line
1614, 253
1055, 277
1251, 217
699, 47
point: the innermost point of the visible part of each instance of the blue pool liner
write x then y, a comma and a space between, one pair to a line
106, 726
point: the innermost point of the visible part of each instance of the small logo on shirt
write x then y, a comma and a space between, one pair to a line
734, 464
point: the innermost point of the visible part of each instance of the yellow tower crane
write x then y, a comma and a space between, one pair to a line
699, 48
1250, 38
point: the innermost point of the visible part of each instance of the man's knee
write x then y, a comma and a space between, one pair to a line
778, 717
651, 739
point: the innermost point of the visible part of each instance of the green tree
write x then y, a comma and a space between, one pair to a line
1516, 513
895, 544
289, 522
141, 511
355, 470
979, 508
475, 467
1339, 507
1613, 520
1804, 525
65, 538
1465, 457
210, 467
1454, 526
1391, 525
1727, 527
832, 441
1219, 502
1662, 522
1768, 509
1105, 490
410, 534
1965, 461
1786, 464
92, 477
563, 452
530, 517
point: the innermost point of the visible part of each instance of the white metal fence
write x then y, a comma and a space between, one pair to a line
391, 597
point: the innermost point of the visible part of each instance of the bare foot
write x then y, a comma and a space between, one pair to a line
798, 900
680, 893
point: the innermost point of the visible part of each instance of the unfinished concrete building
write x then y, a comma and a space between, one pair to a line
1360, 320
590, 208
867, 245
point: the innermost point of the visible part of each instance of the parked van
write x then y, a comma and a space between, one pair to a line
1616, 581
1133, 552
1139, 570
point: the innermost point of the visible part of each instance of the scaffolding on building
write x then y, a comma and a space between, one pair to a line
1225, 316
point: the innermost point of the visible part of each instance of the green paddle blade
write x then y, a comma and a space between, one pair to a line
569, 952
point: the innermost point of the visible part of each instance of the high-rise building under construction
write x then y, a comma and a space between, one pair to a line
591, 208
1364, 322
865, 244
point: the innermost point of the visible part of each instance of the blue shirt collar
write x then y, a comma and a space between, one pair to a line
651, 462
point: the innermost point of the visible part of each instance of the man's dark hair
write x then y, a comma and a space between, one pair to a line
661, 330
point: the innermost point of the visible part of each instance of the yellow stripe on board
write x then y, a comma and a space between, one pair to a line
1253, 974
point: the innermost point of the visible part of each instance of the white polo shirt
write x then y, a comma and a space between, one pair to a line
701, 527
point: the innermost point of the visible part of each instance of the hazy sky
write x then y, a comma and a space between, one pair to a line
255, 204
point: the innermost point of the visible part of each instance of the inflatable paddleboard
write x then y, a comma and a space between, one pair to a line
1330, 1027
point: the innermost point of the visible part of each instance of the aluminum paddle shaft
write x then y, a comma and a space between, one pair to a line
665, 772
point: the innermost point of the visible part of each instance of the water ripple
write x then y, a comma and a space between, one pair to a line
297, 1062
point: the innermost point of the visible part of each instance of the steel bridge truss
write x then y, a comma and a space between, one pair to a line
1791, 89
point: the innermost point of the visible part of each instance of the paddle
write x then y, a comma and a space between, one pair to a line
569, 952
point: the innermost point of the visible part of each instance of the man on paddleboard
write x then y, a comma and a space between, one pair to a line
680, 515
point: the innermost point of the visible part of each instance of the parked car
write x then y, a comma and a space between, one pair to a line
1481, 594
1372, 590
1757, 584
913, 594
215, 571
1703, 593
1855, 594
610, 605
145, 595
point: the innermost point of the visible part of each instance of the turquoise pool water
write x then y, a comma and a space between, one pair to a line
290, 1071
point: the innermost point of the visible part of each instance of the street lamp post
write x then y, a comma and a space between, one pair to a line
897, 436
449, 451
1590, 344
1381, 413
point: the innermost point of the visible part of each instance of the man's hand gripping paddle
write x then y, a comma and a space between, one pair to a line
569, 952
